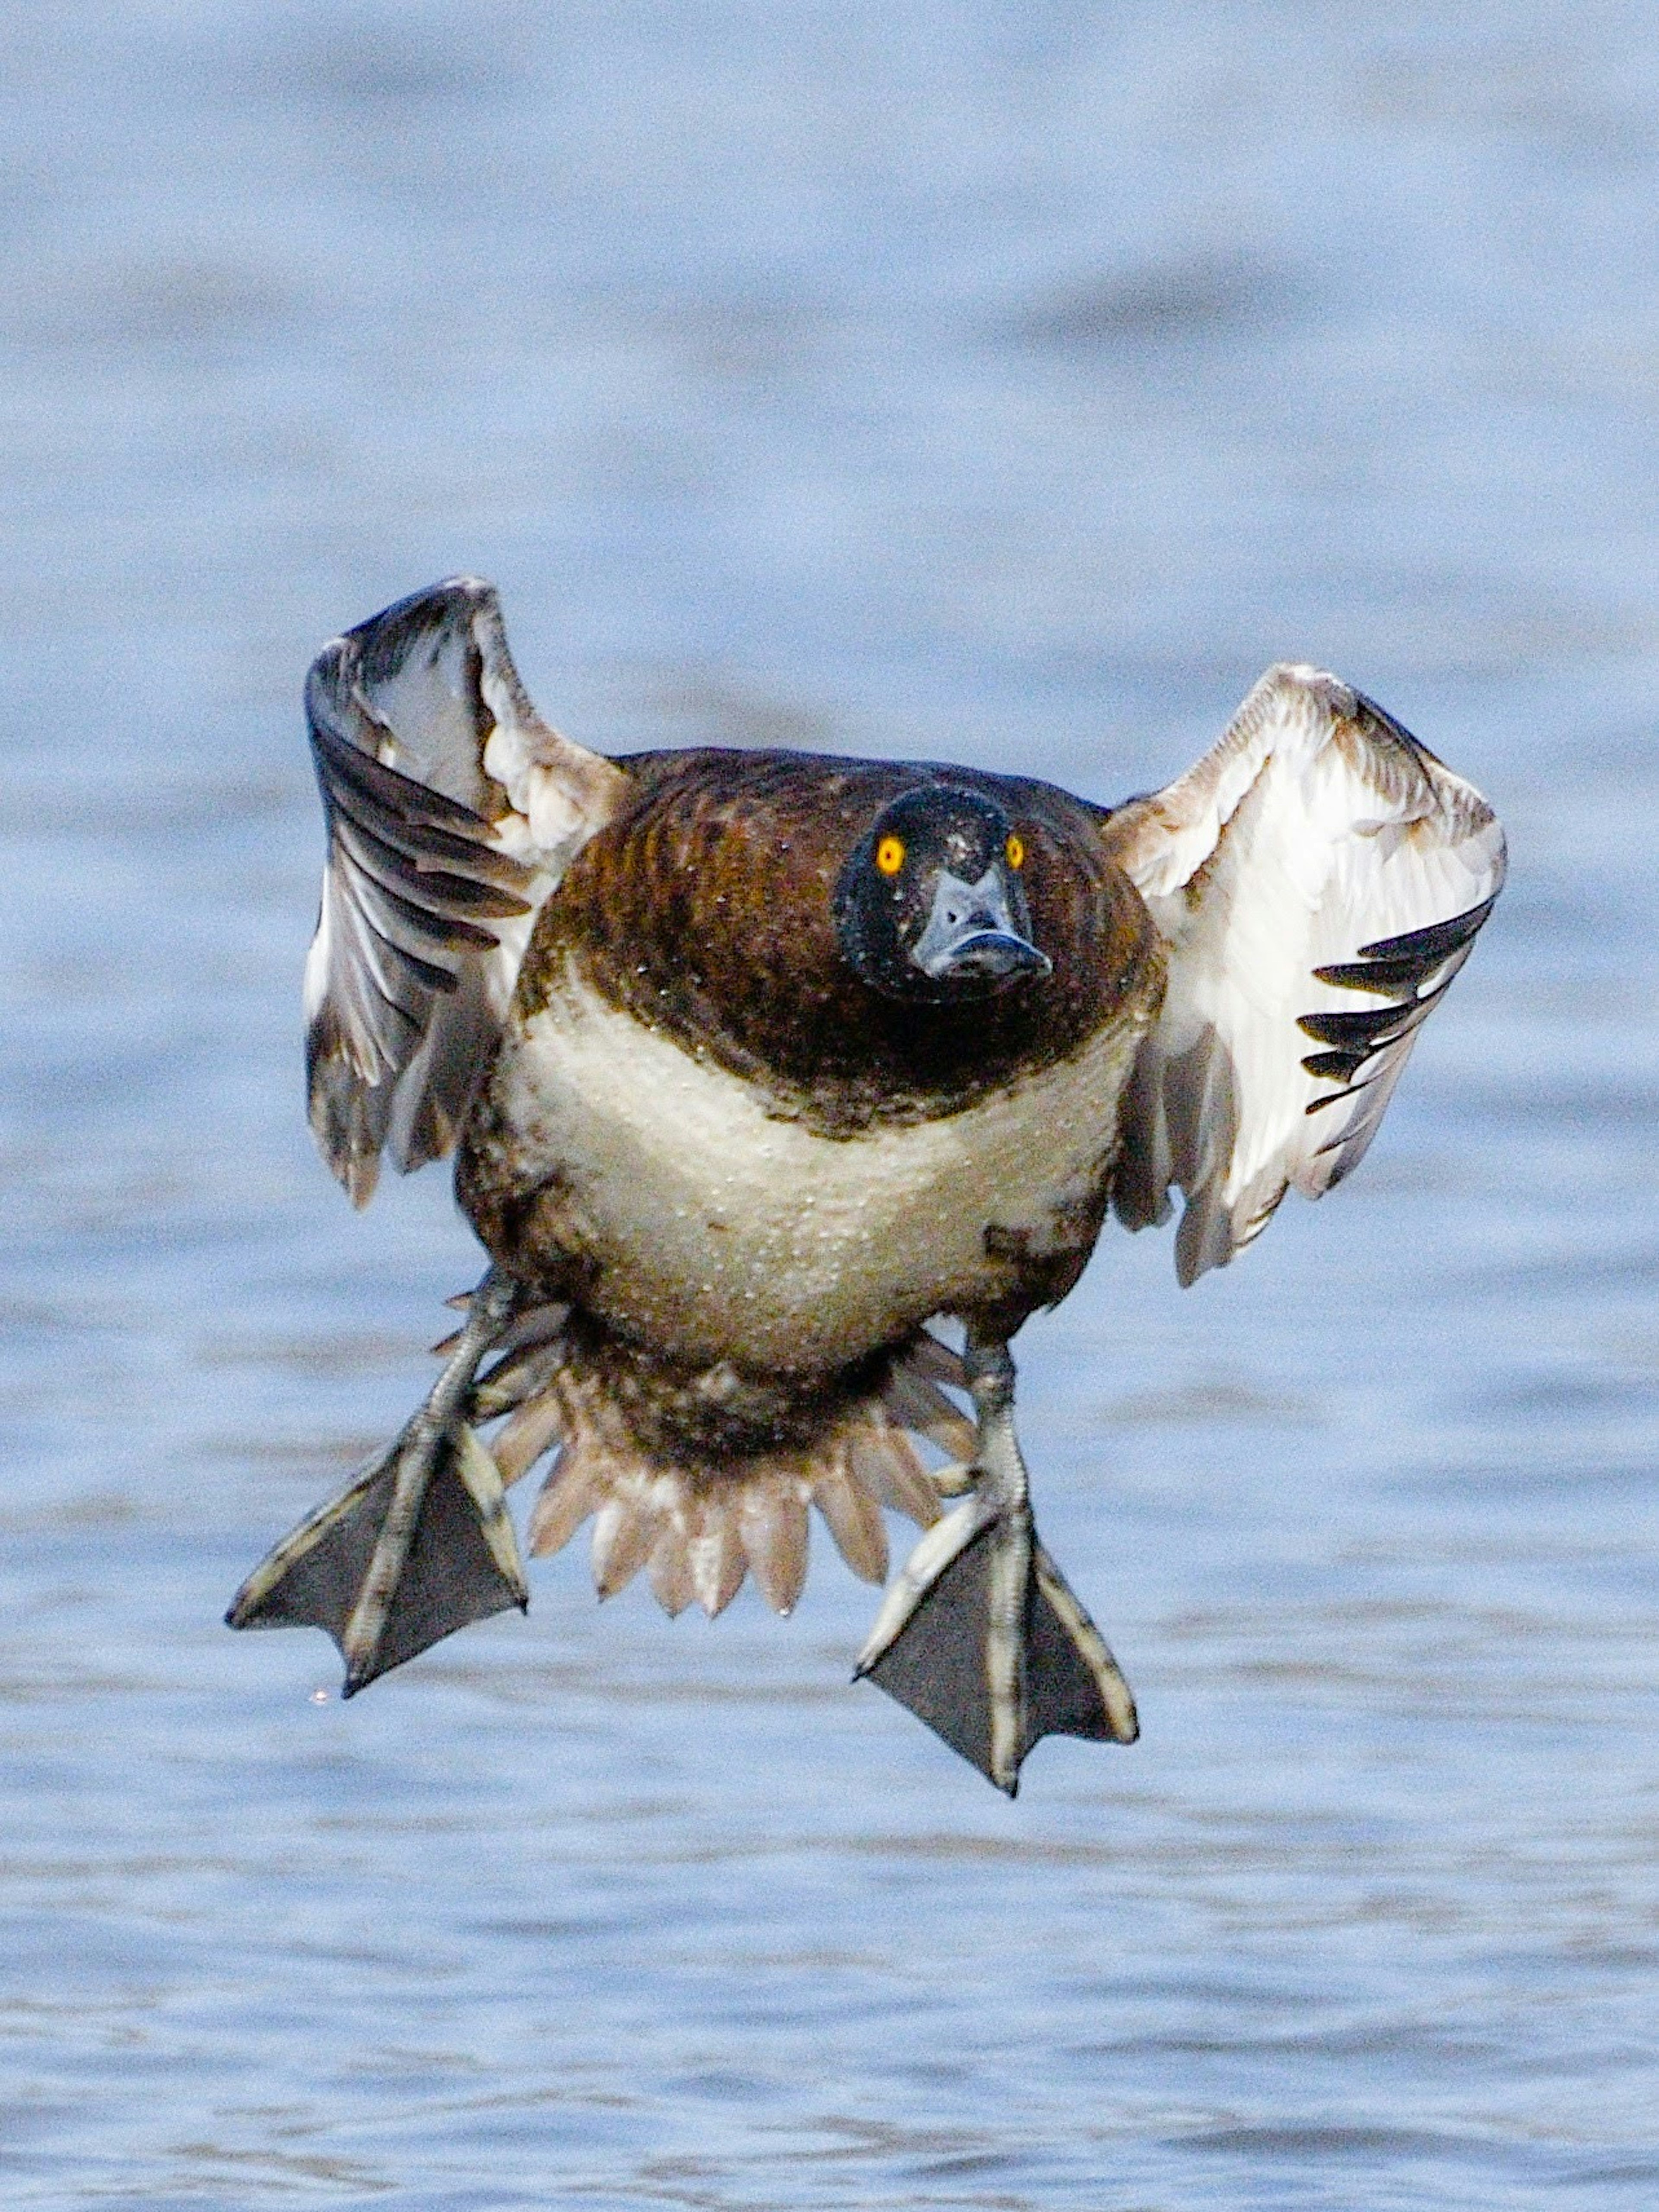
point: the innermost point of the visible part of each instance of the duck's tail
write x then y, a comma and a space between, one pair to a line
698, 1523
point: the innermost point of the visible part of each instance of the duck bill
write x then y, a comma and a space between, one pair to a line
972, 933
999, 955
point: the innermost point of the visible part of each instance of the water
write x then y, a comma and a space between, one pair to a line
1003, 383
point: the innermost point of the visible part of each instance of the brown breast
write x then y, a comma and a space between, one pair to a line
705, 910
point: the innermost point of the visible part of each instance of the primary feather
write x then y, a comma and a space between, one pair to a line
1319, 875
453, 811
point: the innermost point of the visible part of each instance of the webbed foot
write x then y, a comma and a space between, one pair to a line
418, 1546
981, 1636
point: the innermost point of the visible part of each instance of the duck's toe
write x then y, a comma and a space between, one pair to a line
982, 1637
420, 1545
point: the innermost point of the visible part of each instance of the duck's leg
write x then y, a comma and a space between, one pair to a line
979, 1636
419, 1545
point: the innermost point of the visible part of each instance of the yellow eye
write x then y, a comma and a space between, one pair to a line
1016, 852
890, 855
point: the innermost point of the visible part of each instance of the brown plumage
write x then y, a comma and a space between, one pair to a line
697, 1519
755, 1064
704, 909
704, 912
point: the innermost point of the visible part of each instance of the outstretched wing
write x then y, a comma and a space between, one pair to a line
1318, 879
453, 811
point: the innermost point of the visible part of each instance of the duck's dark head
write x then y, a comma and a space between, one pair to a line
931, 906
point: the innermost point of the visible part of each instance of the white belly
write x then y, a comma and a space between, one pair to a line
719, 1232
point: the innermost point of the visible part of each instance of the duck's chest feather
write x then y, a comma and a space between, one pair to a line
656, 1185
703, 1125
707, 911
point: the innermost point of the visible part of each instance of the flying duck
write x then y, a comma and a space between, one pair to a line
755, 1064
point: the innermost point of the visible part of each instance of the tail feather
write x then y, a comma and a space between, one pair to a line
715, 1550
855, 1522
531, 1356
772, 1520
699, 1529
526, 1434
915, 1402
624, 1536
670, 1569
935, 1362
571, 1491
886, 1462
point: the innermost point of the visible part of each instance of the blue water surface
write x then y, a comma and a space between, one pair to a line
1008, 383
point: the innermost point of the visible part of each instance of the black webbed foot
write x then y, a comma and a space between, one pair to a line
981, 1636
418, 1546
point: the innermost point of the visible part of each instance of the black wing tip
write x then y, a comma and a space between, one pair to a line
1395, 968
1436, 941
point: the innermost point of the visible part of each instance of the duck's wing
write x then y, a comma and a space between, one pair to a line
1318, 879
453, 811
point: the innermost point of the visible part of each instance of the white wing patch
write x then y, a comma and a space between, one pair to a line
1318, 879
452, 812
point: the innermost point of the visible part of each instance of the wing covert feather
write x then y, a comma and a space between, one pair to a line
452, 810
1318, 879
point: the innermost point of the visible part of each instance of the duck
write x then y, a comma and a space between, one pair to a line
760, 1068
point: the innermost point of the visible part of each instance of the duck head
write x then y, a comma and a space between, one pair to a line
930, 905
